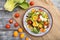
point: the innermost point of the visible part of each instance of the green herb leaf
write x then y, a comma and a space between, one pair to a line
35, 30
24, 5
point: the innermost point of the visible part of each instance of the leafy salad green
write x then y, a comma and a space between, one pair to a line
11, 4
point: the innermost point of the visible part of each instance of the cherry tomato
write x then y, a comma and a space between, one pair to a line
29, 22
46, 23
20, 30
26, 38
38, 19
16, 24
42, 30
15, 34
22, 35
16, 15
10, 21
31, 3
39, 15
7, 26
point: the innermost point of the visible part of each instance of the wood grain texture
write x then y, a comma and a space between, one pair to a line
54, 33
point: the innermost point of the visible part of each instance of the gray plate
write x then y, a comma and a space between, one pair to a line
25, 24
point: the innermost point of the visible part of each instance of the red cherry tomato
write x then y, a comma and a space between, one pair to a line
31, 3
7, 26
16, 24
46, 23
16, 15
29, 22
10, 21
39, 15
38, 19
42, 30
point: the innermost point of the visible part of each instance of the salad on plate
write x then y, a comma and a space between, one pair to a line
37, 21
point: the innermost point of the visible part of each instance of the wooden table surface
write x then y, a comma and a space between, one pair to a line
54, 33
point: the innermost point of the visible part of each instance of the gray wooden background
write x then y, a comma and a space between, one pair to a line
8, 33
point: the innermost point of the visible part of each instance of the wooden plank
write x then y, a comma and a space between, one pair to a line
54, 33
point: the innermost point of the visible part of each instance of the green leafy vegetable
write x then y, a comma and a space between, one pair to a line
24, 5
10, 5
19, 1
44, 15
30, 14
35, 30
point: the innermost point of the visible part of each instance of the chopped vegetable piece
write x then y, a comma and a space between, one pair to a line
31, 3
40, 25
35, 24
42, 30
30, 27
44, 15
16, 24
43, 19
35, 30
24, 5
22, 35
26, 38
35, 17
45, 26
20, 30
33, 10
16, 15
10, 21
38, 19
41, 22
29, 22
39, 15
46, 23
15, 34
7, 26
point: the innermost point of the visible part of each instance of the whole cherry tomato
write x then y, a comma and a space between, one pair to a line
16, 15
16, 24
7, 26
31, 3
10, 21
